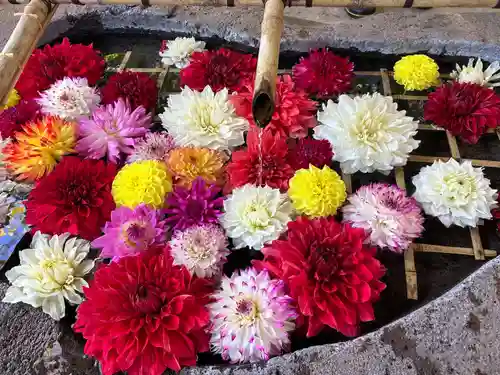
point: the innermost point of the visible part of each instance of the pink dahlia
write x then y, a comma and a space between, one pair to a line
13, 118
308, 151
154, 146
112, 131
131, 231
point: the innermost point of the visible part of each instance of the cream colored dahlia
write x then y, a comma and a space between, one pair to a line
455, 193
474, 73
367, 133
52, 270
203, 119
178, 51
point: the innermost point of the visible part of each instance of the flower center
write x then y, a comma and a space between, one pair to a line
55, 273
203, 118
247, 311
257, 216
195, 208
135, 234
197, 250
460, 187
147, 299
369, 128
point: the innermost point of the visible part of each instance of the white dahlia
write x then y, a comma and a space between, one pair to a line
69, 98
178, 51
473, 73
252, 317
455, 193
367, 133
203, 119
254, 216
51, 270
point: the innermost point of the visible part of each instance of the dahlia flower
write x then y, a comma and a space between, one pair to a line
39, 146
112, 131
138, 88
416, 72
473, 73
306, 151
52, 270
367, 132
143, 315
464, 109
261, 163
457, 194
75, 197
202, 249
254, 216
12, 99
154, 146
390, 218
317, 192
52, 63
131, 231
323, 74
145, 182
329, 272
219, 69
69, 98
200, 204
293, 113
178, 52
188, 163
252, 317
12, 119
203, 119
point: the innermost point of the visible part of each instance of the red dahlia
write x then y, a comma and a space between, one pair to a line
323, 74
75, 197
50, 64
218, 69
136, 87
274, 169
294, 112
310, 151
13, 118
143, 315
329, 272
464, 109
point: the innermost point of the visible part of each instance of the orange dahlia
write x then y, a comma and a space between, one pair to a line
38, 147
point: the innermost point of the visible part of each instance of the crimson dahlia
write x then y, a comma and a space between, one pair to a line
306, 151
13, 118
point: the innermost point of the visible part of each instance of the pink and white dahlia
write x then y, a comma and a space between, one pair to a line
252, 317
154, 146
112, 131
390, 218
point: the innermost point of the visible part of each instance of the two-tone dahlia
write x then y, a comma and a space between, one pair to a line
52, 270
12, 119
307, 151
455, 193
416, 72
328, 270
390, 218
254, 216
144, 315
178, 52
474, 73
367, 132
154, 146
252, 317
138, 88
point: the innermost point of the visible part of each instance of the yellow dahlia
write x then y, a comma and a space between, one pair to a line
12, 99
38, 147
317, 192
187, 163
145, 182
416, 72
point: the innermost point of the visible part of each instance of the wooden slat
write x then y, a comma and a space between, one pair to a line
428, 248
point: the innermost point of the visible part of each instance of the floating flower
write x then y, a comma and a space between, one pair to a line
203, 119
252, 317
52, 63
317, 192
334, 278
306, 151
293, 113
52, 270
145, 182
75, 197
188, 163
143, 315
390, 218
12, 100
178, 52
112, 131
154, 146
464, 109
367, 132
202, 249
323, 74
200, 204
39, 146
219, 69
254, 216
416, 72
473, 73
12, 119
135, 87
455, 193
131, 231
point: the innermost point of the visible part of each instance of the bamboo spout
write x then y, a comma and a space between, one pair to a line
267, 63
